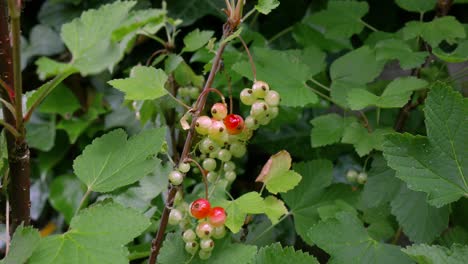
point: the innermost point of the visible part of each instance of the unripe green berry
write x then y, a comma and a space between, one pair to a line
178, 198
209, 164
351, 175
204, 255
204, 230
207, 145
219, 232
183, 91
229, 166
272, 98
212, 176
217, 131
230, 176
207, 244
362, 178
274, 111
219, 111
184, 167
194, 92
259, 109
202, 125
189, 235
224, 155
260, 89
251, 123
175, 216
176, 177
238, 149
191, 247
247, 97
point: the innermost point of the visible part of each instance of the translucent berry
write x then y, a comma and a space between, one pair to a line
234, 124
204, 255
209, 164
230, 176
204, 230
189, 235
200, 208
259, 109
224, 155
260, 89
191, 247
219, 232
238, 149
362, 178
207, 244
193, 92
351, 175
207, 145
176, 177
229, 166
212, 176
219, 111
274, 112
251, 122
272, 98
202, 125
184, 167
217, 130
175, 216
217, 216
247, 97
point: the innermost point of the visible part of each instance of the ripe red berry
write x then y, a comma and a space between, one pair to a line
217, 216
234, 124
200, 208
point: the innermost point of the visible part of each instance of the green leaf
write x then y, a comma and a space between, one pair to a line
197, 39
276, 173
60, 101
397, 49
435, 164
395, 95
272, 66
40, 133
346, 76
442, 28
47, 68
144, 83
341, 19
363, 140
112, 161
138, 19
191, 10
419, 6
347, 241
425, 254
308, 36
275, 254
65, 195
455, 235
24, 241
237, 210
266, 6
328, 129
91, 45
97, 235
274, 209
413, 212
313, 192
460, 54
381, 186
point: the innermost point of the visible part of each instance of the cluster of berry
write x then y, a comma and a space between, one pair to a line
354, 176
223, 136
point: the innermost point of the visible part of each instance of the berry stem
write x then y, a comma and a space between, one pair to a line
254, 70
203, 172
157, 241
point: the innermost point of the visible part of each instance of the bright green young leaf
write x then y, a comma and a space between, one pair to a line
60, 101
421, 222
273, 66
397, 49
237, 210
328, 129
66, 192
346, 75
276, 173
172, 62
425, 254
274, 209
347, 241
436, 164
97, 235
91, 45
442, 28
381, 186
341, 19
460, 54
24, 241
313, 192
144, 83
276, 254
138, 19
112, 161
419, 6
395, 95
47, 68
197, 39
266, 6
363, 140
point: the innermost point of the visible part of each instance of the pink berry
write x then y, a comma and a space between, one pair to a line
217, 216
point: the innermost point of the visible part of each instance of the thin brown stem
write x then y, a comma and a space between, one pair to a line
365, 121
254, 70
397, 236
158, 240
7, 89
203, 172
